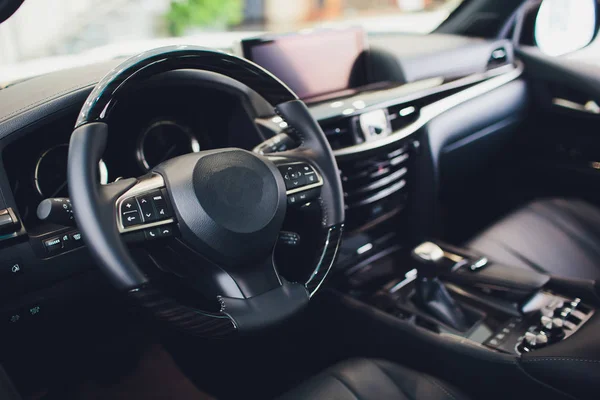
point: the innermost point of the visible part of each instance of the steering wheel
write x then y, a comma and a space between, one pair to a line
228, 205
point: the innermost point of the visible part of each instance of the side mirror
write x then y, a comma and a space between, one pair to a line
563, 26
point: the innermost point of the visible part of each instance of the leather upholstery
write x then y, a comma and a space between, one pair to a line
557, 236
364, 379
572, 365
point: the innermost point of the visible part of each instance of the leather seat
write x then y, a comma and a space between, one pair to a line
557, 236
365, 379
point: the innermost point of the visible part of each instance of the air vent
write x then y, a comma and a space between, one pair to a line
372, 185
339, 132
402, 115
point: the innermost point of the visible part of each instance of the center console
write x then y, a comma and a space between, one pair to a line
504, 308
437, 308
543, 324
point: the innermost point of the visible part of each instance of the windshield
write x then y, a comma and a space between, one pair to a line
47, 35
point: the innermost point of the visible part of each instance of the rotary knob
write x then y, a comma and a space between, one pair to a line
532, 341
575, 303
553, 328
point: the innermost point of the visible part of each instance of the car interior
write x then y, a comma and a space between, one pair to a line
322, 214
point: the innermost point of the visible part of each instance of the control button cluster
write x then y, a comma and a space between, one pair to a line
144, 209
289, 238
298, 175
150, 234
64, 242
532, 341
29, 313
303, 197
556, 320
508, 334
159, 232
301, 181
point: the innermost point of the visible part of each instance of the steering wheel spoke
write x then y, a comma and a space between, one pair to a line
304, 182
145, 209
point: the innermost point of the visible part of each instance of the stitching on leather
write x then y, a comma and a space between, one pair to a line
54, 96
541, 209
518, 255
571, 208
439, 385
325, 212
539, 382
566, 207
382, 369
298, 133
347, 386
560, 359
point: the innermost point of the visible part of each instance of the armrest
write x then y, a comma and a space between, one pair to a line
514, 278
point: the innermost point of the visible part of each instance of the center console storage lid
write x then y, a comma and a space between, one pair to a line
506, 276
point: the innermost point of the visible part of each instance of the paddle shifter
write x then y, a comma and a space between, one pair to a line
431, 294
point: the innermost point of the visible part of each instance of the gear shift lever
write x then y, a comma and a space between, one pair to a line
431, 294
429, 251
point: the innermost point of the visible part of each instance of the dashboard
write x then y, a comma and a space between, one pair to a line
391, 137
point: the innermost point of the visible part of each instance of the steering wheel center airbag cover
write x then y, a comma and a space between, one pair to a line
237, 190
230, 203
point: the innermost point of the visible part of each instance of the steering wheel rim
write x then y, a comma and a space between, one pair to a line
257, 304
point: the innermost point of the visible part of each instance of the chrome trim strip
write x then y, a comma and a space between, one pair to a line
140, 155
102, 169
590, 107
379, 183
409, 277
379, 195
459, 264
303, 188
317, 270
482, 262
404, 94
435, 109
145, 185
145, 226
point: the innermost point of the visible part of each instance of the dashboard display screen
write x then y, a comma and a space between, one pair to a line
315, 63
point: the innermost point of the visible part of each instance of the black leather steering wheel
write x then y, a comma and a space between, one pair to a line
228, 204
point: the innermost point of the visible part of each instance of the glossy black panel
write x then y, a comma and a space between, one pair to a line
99, 104
328, 257
187, 319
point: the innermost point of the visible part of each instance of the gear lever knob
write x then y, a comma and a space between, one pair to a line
429, 252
